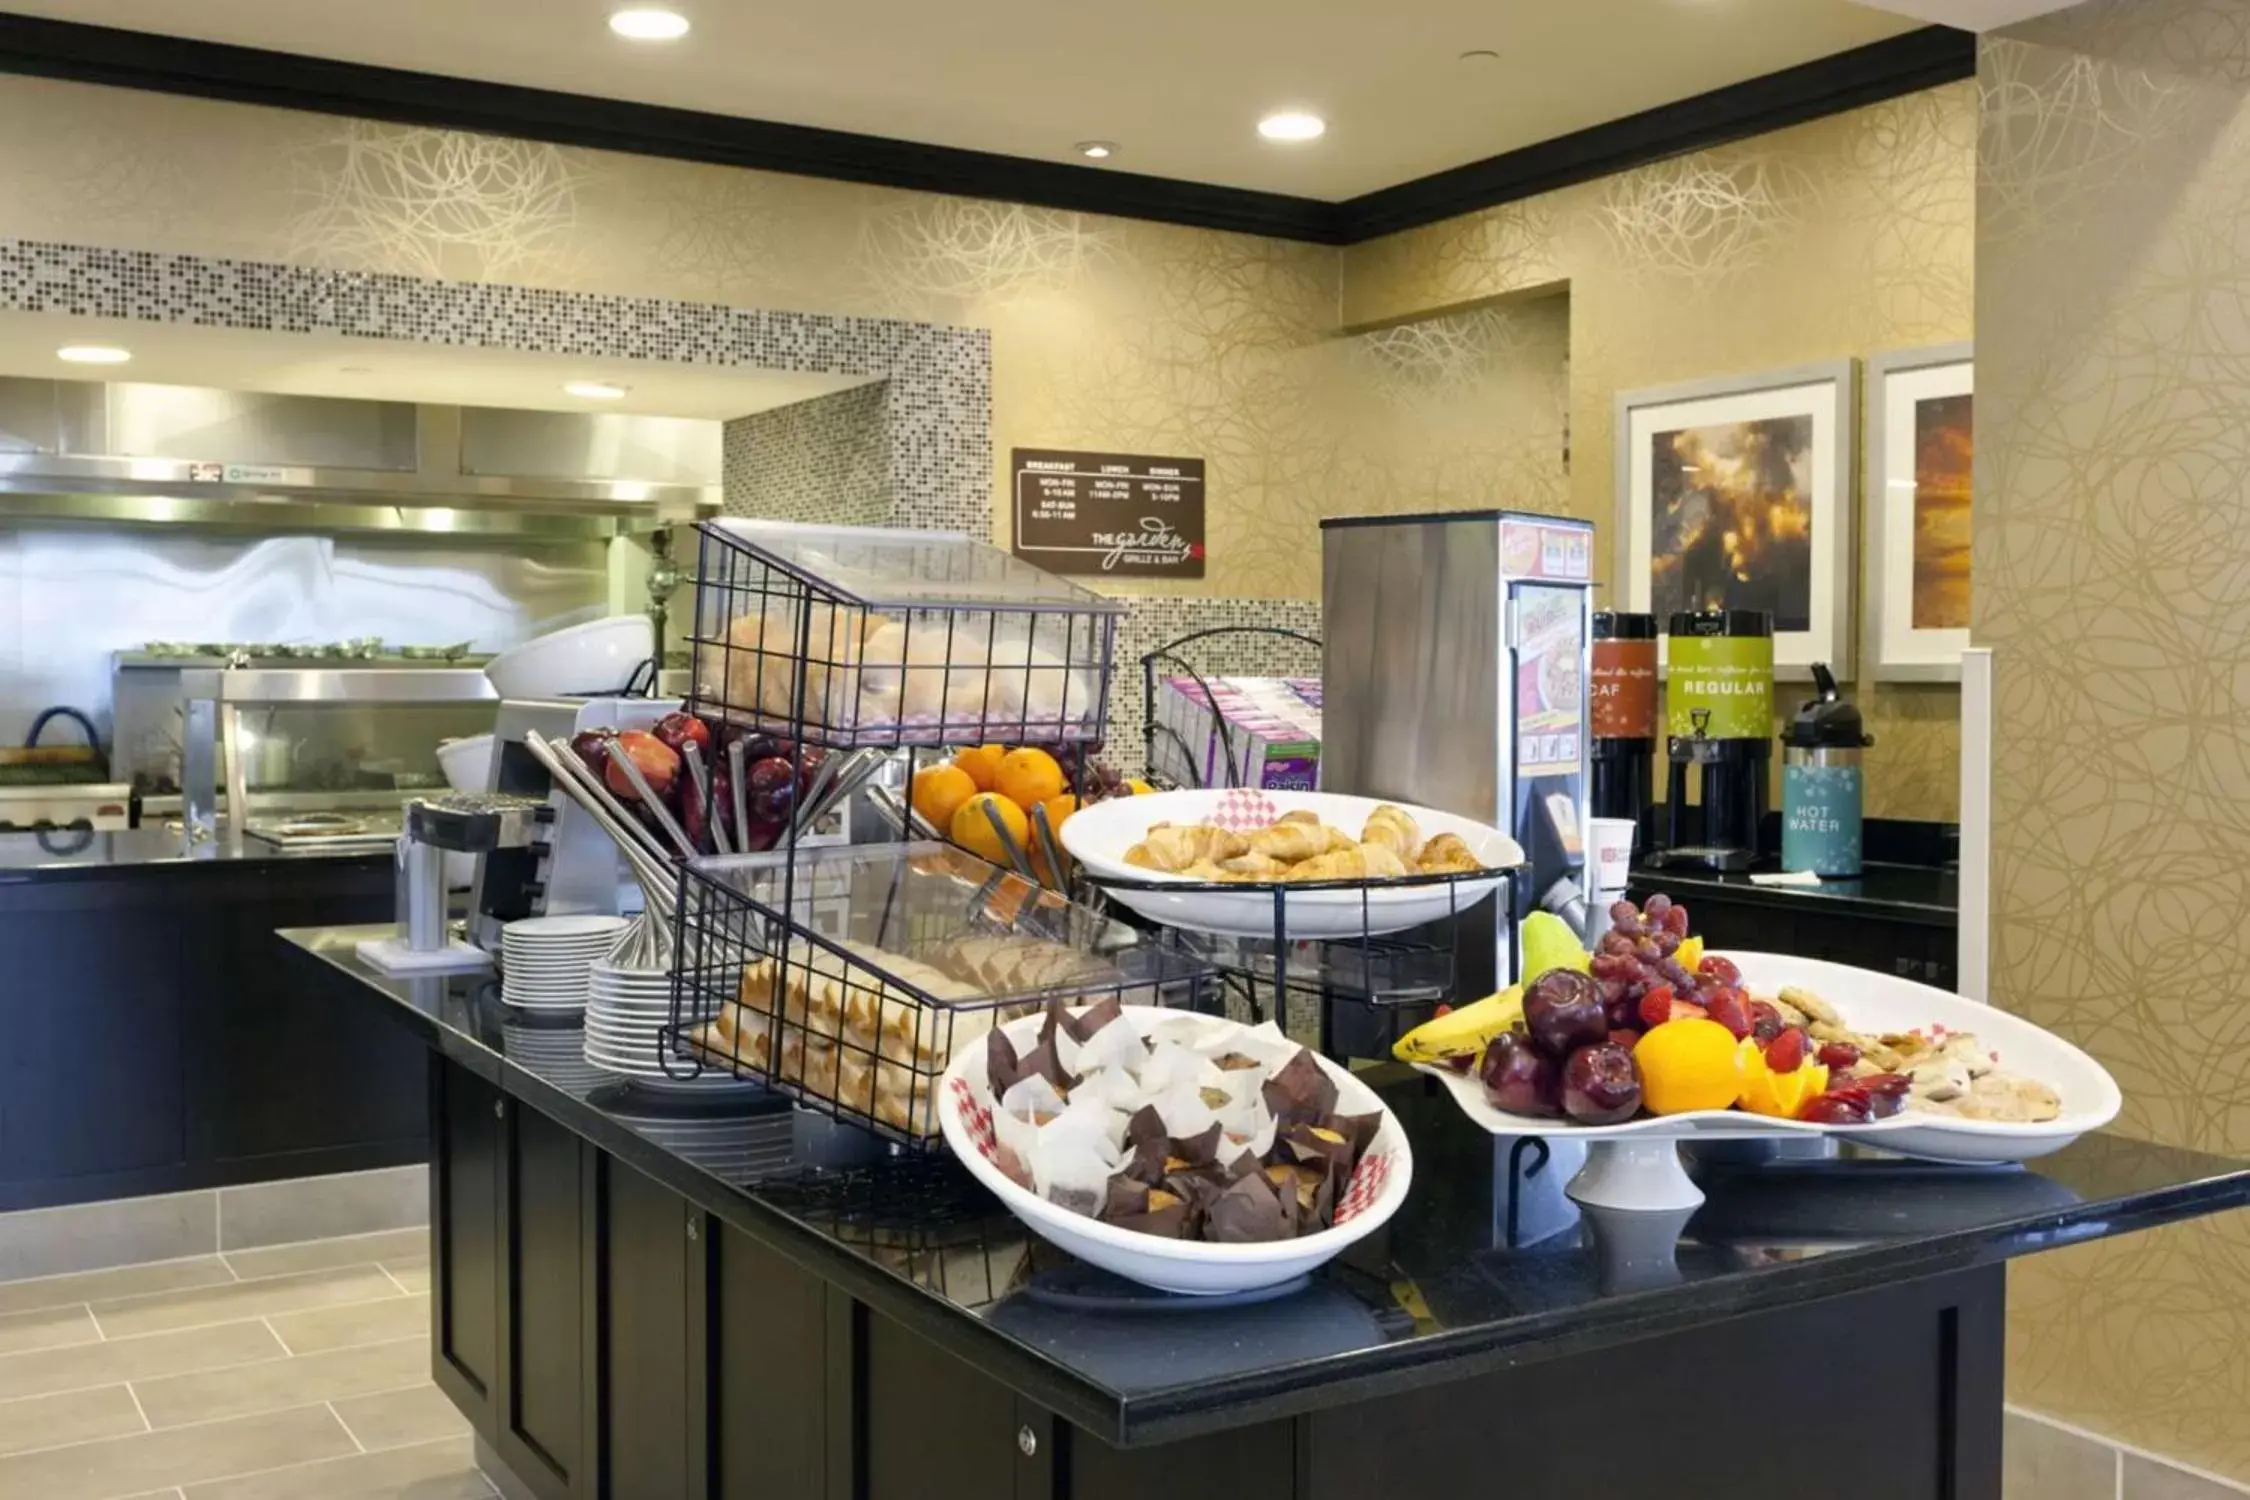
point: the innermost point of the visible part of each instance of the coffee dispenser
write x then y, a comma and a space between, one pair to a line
1718, 726
1624, 715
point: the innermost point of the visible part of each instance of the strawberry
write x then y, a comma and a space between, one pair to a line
1730, 1010
1839, 1055
1656, 1006
1786, 1052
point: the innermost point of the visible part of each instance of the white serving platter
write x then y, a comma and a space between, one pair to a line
1871, 1002
1099, 836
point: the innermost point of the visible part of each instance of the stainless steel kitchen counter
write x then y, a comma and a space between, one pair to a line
33, 856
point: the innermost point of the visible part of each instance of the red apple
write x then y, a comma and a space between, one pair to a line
658, 763
681, 730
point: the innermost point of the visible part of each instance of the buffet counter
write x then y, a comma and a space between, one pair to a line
634, 1301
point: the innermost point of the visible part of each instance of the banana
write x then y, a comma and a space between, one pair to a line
1461, 1033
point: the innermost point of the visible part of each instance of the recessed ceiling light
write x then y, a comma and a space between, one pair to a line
1098, 150
93, 354
649, 23
595, 390
1292, 125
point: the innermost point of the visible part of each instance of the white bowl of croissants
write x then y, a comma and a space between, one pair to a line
1289, 846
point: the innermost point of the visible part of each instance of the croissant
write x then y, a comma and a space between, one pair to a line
1290, 842
1391, 826
1256, 865
1447, 855
1361, 862
1174, 849
1302, 815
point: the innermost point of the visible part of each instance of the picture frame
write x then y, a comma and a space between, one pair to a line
1917, 505
1775, 452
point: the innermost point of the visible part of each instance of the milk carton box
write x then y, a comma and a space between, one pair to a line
1238, 731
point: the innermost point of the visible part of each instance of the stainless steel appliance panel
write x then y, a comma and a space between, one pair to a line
1416, 665
201, 424
579, 445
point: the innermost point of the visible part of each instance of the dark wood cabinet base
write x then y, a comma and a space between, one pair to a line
609, 1340
161, 1039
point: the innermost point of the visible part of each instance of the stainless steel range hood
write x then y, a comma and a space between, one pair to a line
125, 452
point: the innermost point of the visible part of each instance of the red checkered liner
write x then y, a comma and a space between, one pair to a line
1366, 1186
1243, 810
977, 1118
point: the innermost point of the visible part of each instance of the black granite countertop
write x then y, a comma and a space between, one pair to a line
1930, 896
1434, 1296
77, 855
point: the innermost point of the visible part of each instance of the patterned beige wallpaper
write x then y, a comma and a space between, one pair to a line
2112, 541
1848, 236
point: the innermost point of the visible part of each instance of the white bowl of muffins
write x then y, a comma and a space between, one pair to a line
1331, 866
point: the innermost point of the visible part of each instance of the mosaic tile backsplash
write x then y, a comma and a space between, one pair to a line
822, 460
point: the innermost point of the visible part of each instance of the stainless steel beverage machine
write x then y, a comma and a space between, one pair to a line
1455, 676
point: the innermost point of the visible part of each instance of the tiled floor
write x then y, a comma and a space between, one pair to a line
297, 1372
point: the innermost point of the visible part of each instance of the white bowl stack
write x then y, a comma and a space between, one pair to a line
626, 1013
546, 963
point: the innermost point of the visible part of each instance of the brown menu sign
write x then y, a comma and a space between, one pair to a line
1108, 513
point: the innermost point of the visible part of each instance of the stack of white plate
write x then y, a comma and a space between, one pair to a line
555, 1050
626, 1012
545, 962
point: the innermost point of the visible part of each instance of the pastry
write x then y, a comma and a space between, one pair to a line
1447, 854
1169, 848
1361, 862
1394, 828
1289, 843
1255, 866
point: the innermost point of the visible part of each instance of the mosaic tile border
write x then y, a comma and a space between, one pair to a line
937, 413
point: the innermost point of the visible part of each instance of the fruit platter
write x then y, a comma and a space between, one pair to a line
1652, 1039
1222, 861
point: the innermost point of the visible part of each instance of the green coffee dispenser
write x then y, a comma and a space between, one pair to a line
1718, 724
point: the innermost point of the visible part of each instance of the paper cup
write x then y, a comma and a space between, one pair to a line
1609, 852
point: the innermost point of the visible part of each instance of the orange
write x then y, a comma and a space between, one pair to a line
939, 791
1059, 810
1028, 777
1688, 1065
1138, 787
982, 762
973, 831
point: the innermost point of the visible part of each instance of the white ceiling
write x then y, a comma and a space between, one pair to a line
297, 364
1179, 84
1972, 15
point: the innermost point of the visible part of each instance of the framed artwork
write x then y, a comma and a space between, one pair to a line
1736, 494
1920, 444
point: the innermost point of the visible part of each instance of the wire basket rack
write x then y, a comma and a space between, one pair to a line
851, 637
1353, 993
847, 977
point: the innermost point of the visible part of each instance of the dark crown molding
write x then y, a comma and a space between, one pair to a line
1903, 64
248, 75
